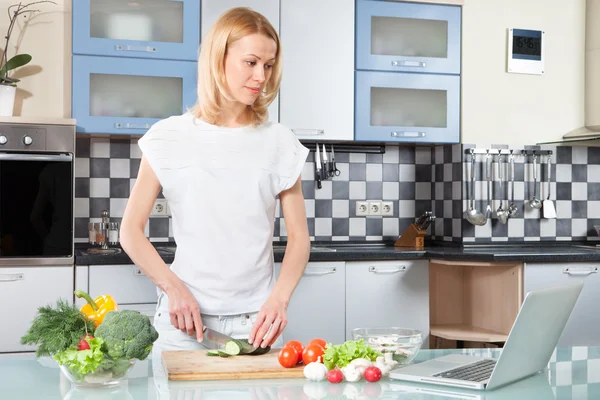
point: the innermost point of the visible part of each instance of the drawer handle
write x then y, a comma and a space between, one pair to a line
309, 132
323, 271
128, 47
580, 271
138, 272
418, 64
11, 277
387, 270
129, 125
408, 134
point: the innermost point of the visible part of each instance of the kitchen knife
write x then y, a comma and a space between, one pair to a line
218, 337
318, 167
325, 170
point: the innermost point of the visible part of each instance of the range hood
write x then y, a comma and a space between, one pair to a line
590, 133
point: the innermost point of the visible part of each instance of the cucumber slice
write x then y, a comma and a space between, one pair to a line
233, 347
212, 353
222, 353
256, 352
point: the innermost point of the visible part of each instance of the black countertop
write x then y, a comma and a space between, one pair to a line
367, 251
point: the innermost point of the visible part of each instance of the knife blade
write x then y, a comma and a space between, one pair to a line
325, 172
221, 338
318, 172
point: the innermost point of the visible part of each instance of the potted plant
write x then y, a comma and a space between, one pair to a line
8, 84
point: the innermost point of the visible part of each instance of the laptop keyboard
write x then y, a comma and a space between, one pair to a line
476, 372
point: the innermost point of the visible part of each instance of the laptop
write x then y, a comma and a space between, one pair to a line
528, 348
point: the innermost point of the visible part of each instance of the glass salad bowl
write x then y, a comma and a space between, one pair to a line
403, 343
107, 374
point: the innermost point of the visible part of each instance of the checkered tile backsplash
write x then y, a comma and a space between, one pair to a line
416, 179
106, 170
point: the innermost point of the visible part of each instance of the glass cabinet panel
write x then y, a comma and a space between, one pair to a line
144, 20
404, 107
159, 29
398, 36
134, 96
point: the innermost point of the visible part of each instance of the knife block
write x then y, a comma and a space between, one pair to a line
411, 237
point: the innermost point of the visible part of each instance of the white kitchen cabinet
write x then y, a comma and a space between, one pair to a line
388, 294
583, 326
22, 292
317, 88
127, 284
212, 9
316, 309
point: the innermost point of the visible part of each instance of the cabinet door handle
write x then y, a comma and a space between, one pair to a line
11, 277
408, 134
580, 271
309, 132
320, 272
418, 64
387, 270
129, 125
128, 47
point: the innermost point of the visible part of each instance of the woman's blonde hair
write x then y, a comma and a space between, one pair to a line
231, 26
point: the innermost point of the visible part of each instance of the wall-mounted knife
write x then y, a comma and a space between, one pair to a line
318, 170
325, 170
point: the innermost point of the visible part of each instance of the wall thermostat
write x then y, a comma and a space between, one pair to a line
525, 51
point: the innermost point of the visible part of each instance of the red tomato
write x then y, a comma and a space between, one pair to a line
312, 353
298, 346
372, 374
288, 357
318, 341
335, 376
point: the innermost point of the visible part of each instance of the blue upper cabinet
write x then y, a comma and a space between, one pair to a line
159, 29
407, 37
113, 95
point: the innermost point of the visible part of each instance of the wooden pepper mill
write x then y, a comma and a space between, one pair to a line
414, 235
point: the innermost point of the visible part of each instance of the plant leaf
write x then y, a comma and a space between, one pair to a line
17, 61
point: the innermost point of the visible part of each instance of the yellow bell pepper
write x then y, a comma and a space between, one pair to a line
97, 308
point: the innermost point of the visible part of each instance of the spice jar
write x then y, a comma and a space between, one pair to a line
113, 233
92, 231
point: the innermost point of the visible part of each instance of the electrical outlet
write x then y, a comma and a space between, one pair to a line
387, 208
160, 208
362, 208
374, 207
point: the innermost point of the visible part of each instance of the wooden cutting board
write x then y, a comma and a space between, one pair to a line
195, 365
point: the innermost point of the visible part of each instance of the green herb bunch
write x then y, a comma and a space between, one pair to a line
56, 329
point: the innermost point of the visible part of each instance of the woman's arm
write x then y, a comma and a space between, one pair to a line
183, 307
273, 312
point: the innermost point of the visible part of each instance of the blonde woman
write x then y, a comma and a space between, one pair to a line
221, 167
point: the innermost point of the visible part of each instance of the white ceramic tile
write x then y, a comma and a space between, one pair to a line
593, 209
357, 190
81, 207
325, 192
593, 173
579, 191
117, 207
134, 150
374, 172
406, 208
390, 227
548, 228
593, 369
563, 173
580, 155
391, 191
439, 190
358, 226
406, 172
308, 171
100, 187
323, 226
344, 172
119, 168
579, 227
483, 231
340, 208
563, 208
310, 208
82, 167
100, 148
516, 227
391, 155
579, 353
357, 157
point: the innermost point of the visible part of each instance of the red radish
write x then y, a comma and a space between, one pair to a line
83, 344
372, 374
335, 376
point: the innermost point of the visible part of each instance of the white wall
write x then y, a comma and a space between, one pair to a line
44, 89
503, 108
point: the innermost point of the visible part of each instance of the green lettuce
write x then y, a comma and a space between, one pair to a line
340, 355
82, 362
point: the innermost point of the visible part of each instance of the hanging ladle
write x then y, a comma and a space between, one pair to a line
535, 202
513, 211
501, 213
472, 215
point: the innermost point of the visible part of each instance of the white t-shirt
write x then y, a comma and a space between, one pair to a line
222, 184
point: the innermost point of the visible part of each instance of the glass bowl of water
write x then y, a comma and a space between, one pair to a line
403, 343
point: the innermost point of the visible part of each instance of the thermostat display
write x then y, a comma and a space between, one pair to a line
525, 51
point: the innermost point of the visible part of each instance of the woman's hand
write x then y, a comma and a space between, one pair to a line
272, 319
184, 311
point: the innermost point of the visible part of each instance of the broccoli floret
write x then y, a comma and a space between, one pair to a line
127, 334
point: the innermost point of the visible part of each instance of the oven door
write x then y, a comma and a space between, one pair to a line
36, 209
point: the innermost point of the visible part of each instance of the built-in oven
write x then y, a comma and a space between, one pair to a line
36, 194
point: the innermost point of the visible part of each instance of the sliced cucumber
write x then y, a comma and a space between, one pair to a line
233, 347
222, 353
243, 343
212, 353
